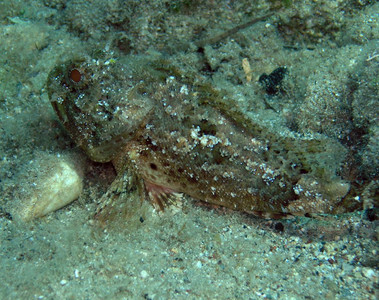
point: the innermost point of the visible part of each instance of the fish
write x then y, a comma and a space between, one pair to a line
177, 134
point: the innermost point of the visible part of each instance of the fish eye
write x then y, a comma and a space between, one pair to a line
75, 75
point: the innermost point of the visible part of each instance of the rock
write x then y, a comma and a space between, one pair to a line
57, 184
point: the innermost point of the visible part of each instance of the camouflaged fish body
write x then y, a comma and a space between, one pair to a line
179, 135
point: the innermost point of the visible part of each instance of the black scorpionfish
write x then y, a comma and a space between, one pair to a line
178, 135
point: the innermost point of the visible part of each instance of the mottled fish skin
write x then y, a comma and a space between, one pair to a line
176, 132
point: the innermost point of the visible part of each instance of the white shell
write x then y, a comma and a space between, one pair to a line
60, 185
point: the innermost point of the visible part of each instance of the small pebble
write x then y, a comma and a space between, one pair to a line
368, 273
144, 274
63, 282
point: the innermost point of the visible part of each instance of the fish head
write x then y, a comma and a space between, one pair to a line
101, 103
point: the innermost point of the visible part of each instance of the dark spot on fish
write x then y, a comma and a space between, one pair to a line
172, 173
192, 179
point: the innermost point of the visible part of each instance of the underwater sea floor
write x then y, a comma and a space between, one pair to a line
192, 250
